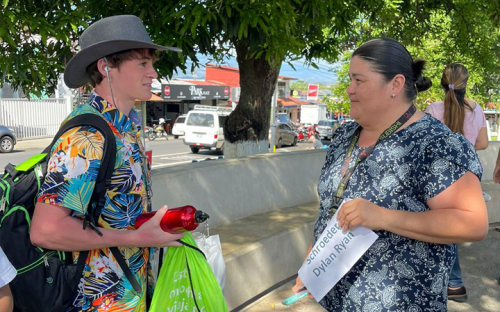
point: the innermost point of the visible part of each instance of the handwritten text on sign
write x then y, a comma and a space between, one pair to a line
333, 255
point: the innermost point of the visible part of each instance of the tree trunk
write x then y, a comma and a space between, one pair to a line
246, 130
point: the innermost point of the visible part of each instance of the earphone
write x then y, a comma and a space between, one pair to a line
106, 69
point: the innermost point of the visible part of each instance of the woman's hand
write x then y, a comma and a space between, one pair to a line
150, 233
299, 286
360, 211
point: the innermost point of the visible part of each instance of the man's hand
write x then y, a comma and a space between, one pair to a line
150, 233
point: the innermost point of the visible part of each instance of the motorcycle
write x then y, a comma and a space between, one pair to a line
304, 133
156, 131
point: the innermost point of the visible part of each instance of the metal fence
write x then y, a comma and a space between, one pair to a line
34, 118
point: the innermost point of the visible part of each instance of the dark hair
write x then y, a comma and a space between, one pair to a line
456, 77
115, 60
389, 58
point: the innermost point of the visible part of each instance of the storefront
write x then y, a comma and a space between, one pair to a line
186, 96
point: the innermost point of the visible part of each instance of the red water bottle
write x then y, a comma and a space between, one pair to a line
176, 220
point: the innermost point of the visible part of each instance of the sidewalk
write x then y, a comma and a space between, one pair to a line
480, 263
32, 143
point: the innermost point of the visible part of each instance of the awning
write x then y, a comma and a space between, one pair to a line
155, 98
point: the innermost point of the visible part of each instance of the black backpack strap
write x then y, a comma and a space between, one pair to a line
126, 270
106, 168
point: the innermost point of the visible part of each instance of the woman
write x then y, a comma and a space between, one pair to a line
409, 189
466, 117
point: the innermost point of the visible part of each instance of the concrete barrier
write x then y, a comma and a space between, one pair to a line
233, 189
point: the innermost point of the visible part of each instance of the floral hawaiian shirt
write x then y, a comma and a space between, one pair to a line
69, 183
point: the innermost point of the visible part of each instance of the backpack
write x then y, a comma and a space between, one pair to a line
47, 280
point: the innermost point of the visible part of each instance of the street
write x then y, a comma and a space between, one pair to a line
166, 153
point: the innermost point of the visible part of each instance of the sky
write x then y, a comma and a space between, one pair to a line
302, 72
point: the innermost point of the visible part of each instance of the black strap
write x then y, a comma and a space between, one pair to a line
160, 260
192, 247
191, 281
103, 180
82, 257
347, 172
126, 270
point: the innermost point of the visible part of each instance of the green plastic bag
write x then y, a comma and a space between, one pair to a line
185, 272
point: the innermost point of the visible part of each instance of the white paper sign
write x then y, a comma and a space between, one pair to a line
333, 255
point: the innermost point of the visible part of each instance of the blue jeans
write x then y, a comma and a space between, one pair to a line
456, 273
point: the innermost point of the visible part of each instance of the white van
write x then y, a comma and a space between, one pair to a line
178, 129
203, 128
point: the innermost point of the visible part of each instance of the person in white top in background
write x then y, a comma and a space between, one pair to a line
466, 117
7, 274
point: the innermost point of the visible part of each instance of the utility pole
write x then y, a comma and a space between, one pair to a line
273, 118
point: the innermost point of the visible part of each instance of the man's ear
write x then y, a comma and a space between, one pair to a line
102, 67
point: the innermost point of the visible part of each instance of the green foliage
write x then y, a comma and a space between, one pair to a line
441, 31
461, 31
36, 39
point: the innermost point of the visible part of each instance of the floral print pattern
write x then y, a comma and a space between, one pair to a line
404, 171
70, 179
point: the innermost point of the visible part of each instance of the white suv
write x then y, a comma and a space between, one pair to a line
179, 124
203, 128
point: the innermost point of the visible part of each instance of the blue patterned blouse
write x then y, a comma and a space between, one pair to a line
404, 171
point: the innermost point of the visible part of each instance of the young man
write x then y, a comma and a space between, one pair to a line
116, 58
7, 274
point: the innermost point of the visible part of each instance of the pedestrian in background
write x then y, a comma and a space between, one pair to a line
466, 117
315, 141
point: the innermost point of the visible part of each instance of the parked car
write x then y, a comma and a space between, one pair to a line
284, 135
283, 117
326, 127
7, 139
179, 124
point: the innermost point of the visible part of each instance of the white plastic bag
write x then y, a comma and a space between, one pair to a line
212, 249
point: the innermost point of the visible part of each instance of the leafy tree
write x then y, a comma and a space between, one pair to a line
262, 34
460, 31
36, 41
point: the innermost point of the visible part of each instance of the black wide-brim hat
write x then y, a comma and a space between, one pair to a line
107, 36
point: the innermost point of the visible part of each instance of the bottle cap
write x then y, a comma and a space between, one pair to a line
200, 216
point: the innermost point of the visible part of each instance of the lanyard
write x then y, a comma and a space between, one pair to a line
346, 171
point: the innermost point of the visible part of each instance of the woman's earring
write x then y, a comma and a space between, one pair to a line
393, 95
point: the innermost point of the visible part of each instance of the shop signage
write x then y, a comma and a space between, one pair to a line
312, 92
194, 92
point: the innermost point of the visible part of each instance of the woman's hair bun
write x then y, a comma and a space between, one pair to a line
422, 83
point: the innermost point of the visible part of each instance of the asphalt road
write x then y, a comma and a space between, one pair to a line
166, 153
